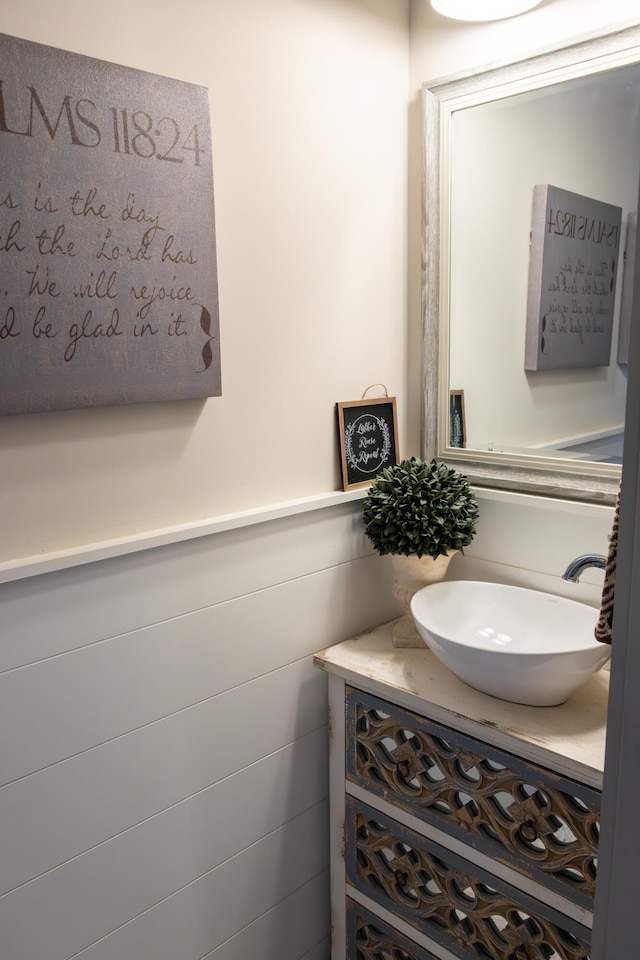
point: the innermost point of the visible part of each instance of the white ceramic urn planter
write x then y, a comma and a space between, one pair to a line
410, 575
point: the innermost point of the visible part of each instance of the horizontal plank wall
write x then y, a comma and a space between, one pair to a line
529, 541
163, 756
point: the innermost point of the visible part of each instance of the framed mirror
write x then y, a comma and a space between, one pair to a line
531, 177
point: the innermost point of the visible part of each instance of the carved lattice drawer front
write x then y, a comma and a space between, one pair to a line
451, 901
368, 938
540, 824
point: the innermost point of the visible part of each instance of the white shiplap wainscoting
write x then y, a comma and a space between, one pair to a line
163, 756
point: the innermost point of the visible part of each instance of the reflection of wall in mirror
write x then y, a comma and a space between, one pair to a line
516, 143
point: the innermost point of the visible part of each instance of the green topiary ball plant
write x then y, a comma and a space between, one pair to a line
420, 508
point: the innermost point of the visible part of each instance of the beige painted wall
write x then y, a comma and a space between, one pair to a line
441, 47
311, 158
308, 112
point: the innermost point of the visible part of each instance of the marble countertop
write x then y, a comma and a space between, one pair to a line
569, 738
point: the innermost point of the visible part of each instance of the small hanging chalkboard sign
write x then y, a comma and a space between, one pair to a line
457, 423
368, 435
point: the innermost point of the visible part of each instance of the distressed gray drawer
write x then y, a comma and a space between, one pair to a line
451, 901
540, 824
368, 938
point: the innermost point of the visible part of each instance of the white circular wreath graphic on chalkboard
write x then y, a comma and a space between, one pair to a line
367, 443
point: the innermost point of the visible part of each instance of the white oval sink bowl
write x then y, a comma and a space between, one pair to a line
521, 645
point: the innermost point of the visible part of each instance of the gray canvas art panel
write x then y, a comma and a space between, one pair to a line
573, 266
628, 274
108, 279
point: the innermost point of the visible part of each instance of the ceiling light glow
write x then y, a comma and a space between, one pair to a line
483, 9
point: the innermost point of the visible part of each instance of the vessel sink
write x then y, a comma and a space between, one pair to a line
518, 644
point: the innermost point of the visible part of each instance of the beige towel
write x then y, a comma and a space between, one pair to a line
604, 626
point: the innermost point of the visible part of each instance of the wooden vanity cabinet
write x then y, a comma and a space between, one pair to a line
462, 826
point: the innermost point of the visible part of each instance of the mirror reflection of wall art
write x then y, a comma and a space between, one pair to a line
627, 289
368, 434
572, 280
108, 280
457, 425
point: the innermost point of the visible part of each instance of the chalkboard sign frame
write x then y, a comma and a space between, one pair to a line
371, 421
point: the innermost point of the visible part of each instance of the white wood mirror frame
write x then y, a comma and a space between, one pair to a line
558, 477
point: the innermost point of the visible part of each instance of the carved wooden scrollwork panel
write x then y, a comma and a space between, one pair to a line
451, 901
369, 938
542, 825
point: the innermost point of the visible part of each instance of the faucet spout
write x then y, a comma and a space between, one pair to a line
577, 566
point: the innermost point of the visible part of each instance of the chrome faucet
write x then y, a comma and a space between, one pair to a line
575, 568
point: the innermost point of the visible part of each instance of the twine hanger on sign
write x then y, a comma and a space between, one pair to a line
371, 386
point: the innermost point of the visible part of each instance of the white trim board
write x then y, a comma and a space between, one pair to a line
50, 562
56, 560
